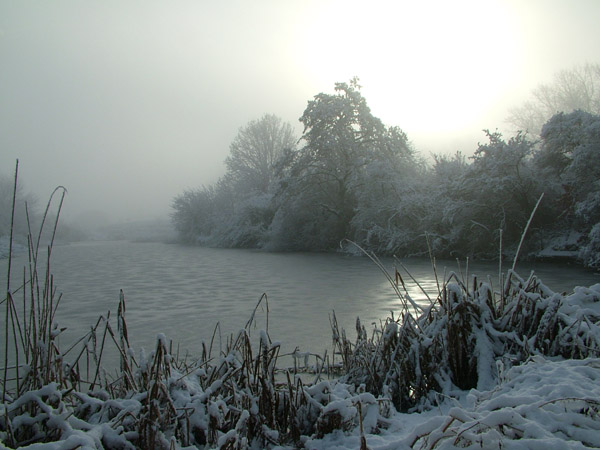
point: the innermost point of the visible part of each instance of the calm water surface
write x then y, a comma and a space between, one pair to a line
184, 291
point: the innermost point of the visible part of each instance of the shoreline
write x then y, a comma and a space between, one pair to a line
233, 398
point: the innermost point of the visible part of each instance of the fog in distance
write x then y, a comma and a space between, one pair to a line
127, 104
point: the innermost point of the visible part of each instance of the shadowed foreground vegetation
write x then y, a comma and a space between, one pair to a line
467, 337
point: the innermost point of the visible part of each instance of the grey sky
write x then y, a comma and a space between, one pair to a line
129, 103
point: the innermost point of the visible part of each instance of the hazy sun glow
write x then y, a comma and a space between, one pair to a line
420, 64
150, 94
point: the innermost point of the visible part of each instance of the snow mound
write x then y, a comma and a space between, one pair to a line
542, 404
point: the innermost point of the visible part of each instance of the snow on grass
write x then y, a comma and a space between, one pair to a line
542, 404
546, 404
551, 403
524, 387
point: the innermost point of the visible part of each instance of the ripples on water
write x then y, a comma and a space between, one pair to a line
184, 291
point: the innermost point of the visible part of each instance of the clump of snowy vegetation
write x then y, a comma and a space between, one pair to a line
468, 337
542, 402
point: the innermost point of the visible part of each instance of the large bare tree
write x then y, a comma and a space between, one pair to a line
574, 89
255, 150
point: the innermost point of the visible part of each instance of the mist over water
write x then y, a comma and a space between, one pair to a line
184, 76
184, 291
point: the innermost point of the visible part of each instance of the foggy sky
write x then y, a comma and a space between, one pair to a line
127, 104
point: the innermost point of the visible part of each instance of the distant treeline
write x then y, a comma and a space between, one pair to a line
351, 178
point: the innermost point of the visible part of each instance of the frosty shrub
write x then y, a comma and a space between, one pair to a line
460, 338
590, 253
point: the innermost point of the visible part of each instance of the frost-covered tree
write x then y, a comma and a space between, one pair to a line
502, 192
254, 151
194, 213
390, 208
571, 150
577, 88
343, 142
249, 182
561, 135
570, 147
447, 194
237, 210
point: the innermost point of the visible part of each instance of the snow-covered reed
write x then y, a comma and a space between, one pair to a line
465, 335
553, 404
231, 398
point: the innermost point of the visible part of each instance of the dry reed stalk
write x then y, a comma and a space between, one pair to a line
9, 295
412, 358
239, 388
525, 231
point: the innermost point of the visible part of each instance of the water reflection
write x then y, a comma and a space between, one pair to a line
184, 291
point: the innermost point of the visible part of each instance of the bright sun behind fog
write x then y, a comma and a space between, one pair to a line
154, 92
420, 63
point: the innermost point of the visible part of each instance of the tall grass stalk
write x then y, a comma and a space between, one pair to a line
33, 331
8, 276
405, 299
455, 343
50, 394
525, 231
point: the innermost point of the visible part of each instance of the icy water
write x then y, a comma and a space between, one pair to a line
184, 292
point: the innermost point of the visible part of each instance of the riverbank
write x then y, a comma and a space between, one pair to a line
405, 386
525, 410
188, 290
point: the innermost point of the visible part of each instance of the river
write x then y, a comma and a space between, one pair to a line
184, 291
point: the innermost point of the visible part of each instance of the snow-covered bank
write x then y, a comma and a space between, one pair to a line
542, 404
512, 369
